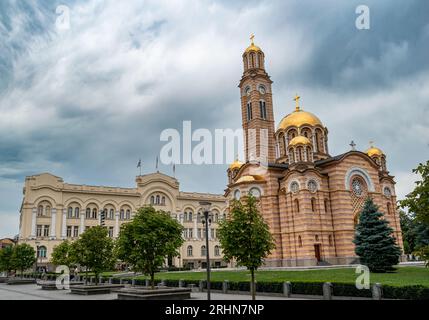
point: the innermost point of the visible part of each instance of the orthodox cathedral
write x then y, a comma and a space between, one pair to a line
310, 199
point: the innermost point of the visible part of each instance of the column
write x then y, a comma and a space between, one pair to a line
313, 134
53, 223
305, 154
195, 228
210, 233
116, 233
82, 222
64, 225
33, 222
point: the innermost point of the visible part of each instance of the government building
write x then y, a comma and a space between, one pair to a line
53, 211
310, 199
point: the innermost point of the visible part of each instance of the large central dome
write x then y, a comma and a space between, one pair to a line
299, 118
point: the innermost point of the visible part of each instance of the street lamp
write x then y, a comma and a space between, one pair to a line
37, 253
206, 210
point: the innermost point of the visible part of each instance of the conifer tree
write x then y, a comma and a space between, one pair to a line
375, 244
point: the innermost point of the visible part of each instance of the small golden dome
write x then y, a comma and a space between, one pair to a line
252, 46
373, 151
235, 165
299, 118
299, 140
249, 178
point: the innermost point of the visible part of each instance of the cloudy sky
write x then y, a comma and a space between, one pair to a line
85, 103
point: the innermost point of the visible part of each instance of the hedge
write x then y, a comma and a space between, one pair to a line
315, 288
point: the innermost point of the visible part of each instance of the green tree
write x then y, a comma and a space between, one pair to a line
148, 239
417, 203
245, 237
6, 262
23, 257
94, 250
374, 242
415, 234
61, 255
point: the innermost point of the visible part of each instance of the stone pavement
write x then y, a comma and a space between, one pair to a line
34, 292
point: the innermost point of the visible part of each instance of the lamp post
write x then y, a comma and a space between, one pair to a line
206, 210
37, 253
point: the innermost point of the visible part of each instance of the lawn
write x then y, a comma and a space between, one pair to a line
401, 277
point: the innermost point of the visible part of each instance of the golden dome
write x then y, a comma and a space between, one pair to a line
252, 46
235, 165
249, 178
299, 140
373, 151
299, 118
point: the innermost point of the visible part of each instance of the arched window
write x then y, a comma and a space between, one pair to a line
48, 211
128, 214
216, 251
203, 251
224, 216
316, 238
111, 214
330, 240
216, 217
296, 205
190, 216
40, 211
313, 204
157, 200
190, 251
263, 109
70, 212
152, 200
299, 241
94, 213
122, 214
88, 213
249, 111
163, 201
326, 204
199, 217
41, 252
76, 212
389, 208
185, 217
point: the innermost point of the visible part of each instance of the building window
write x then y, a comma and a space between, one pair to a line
330, 240
387, 192
40, 211
316, 238
76, 212
48, 211
39, 231
190, 216
203, 251
216, 251
70, 212
325, 203
122, 214
185, 217
94, 213
41, 252
163, 201
313, 204
249, 111
190, 251
255, 192
312, 186
357, 187
296, 205
128, 215
69, 231
152, 200
294, 187
75, 232
263, 110
190, 233
111, 214
157, 200
46, 231
299, 241
111, 232
389, 208
212, 233
88, 213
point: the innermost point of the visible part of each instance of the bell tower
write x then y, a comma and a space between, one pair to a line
257, 106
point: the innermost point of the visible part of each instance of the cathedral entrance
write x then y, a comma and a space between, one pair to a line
317, 252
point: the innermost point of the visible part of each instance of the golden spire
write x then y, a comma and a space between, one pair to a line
252, 37
296, 99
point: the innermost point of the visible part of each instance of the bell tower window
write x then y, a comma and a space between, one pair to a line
263, 109
249, 111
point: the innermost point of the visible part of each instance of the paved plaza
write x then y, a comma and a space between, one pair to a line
34, 292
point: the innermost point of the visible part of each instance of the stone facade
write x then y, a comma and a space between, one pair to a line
53, 211
310, 199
